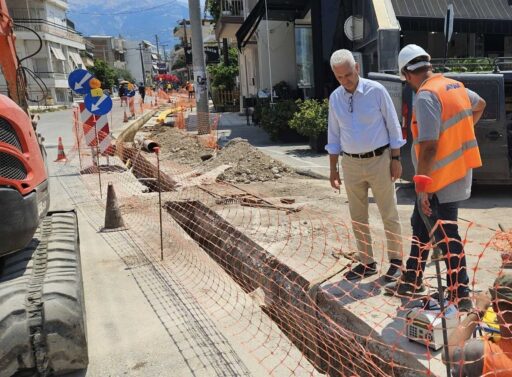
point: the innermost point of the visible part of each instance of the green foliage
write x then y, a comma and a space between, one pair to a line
224, 76
123, 74
274, 119
179, 63
311, 119
465, 65
104, 73
213, 7
283, 90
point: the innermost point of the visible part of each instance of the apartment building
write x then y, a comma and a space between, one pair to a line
60, 52
142, 60
111, 50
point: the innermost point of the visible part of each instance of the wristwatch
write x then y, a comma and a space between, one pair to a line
396, 158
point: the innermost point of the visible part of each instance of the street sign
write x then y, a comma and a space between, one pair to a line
448, 23
98, 105
78, 81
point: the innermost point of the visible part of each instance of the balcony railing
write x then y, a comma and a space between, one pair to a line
231, 8
45, 26
52, 75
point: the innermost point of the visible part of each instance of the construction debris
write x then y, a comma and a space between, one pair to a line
247, 163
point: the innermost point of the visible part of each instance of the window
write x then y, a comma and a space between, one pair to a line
304, 57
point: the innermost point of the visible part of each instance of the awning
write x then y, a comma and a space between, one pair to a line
77, 59
155, 67
57, 52
278, 10
154, 56
463, 9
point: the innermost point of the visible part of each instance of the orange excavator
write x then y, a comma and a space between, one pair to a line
42, 314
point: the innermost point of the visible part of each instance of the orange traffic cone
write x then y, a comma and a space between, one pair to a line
61, 156
125, 119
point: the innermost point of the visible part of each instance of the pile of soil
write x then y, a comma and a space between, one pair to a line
248, 164
180, 147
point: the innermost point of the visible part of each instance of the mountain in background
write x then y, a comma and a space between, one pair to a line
133, 20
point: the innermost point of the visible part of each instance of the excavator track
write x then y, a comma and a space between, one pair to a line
42, 312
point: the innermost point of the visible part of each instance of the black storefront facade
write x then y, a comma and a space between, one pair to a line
377, 29
481, 29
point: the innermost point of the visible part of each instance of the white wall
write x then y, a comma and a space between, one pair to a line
132, 57
282, 54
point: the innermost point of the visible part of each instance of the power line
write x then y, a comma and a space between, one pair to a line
125, 12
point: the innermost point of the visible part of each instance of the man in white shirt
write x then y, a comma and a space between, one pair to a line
363, 128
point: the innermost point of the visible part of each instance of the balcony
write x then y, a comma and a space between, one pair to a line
44, 26
52, 75
230, 18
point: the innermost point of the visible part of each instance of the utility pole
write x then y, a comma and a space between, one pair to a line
186, 47
142, 65
165, 56
157, 48
163, 48
199, 66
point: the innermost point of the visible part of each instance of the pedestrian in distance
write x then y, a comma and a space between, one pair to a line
142, 91
363, 127
444, 149
488, 355
123, 94
190, 90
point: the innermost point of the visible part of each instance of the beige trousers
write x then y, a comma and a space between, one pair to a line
360, 174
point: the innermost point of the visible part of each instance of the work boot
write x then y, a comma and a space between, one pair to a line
406, 286
394, 271
361, 271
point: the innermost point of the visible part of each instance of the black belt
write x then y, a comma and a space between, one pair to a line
374, 153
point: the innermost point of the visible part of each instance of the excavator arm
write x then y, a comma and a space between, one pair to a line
9, 64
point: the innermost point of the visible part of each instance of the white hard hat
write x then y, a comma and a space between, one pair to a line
408, 54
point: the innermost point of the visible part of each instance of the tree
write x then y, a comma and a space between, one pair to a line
179, 63
104, 73
224, 76
123, 74
213, 7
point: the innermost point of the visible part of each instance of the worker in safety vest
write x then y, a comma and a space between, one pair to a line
489, 355
445, 149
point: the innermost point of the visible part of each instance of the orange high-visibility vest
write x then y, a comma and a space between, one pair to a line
497, 358
457, 149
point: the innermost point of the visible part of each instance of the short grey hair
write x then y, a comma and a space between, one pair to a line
341, 57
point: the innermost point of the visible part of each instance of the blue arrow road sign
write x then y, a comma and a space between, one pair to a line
78, 81
98, 105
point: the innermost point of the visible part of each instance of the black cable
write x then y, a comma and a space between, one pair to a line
22, 71
39, 82
38, 37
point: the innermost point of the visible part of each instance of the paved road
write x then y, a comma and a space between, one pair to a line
60, 123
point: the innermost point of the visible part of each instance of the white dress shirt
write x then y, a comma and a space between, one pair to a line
372, 123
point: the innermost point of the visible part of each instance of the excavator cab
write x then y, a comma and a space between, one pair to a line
24, 196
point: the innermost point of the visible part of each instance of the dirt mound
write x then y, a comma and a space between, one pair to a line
180, 147
248, 164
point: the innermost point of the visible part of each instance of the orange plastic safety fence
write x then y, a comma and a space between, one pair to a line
264, 252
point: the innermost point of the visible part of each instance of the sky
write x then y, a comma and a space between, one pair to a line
133, 19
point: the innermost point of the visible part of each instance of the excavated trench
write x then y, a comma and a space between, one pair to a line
145, 171
319, 336
331, 337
